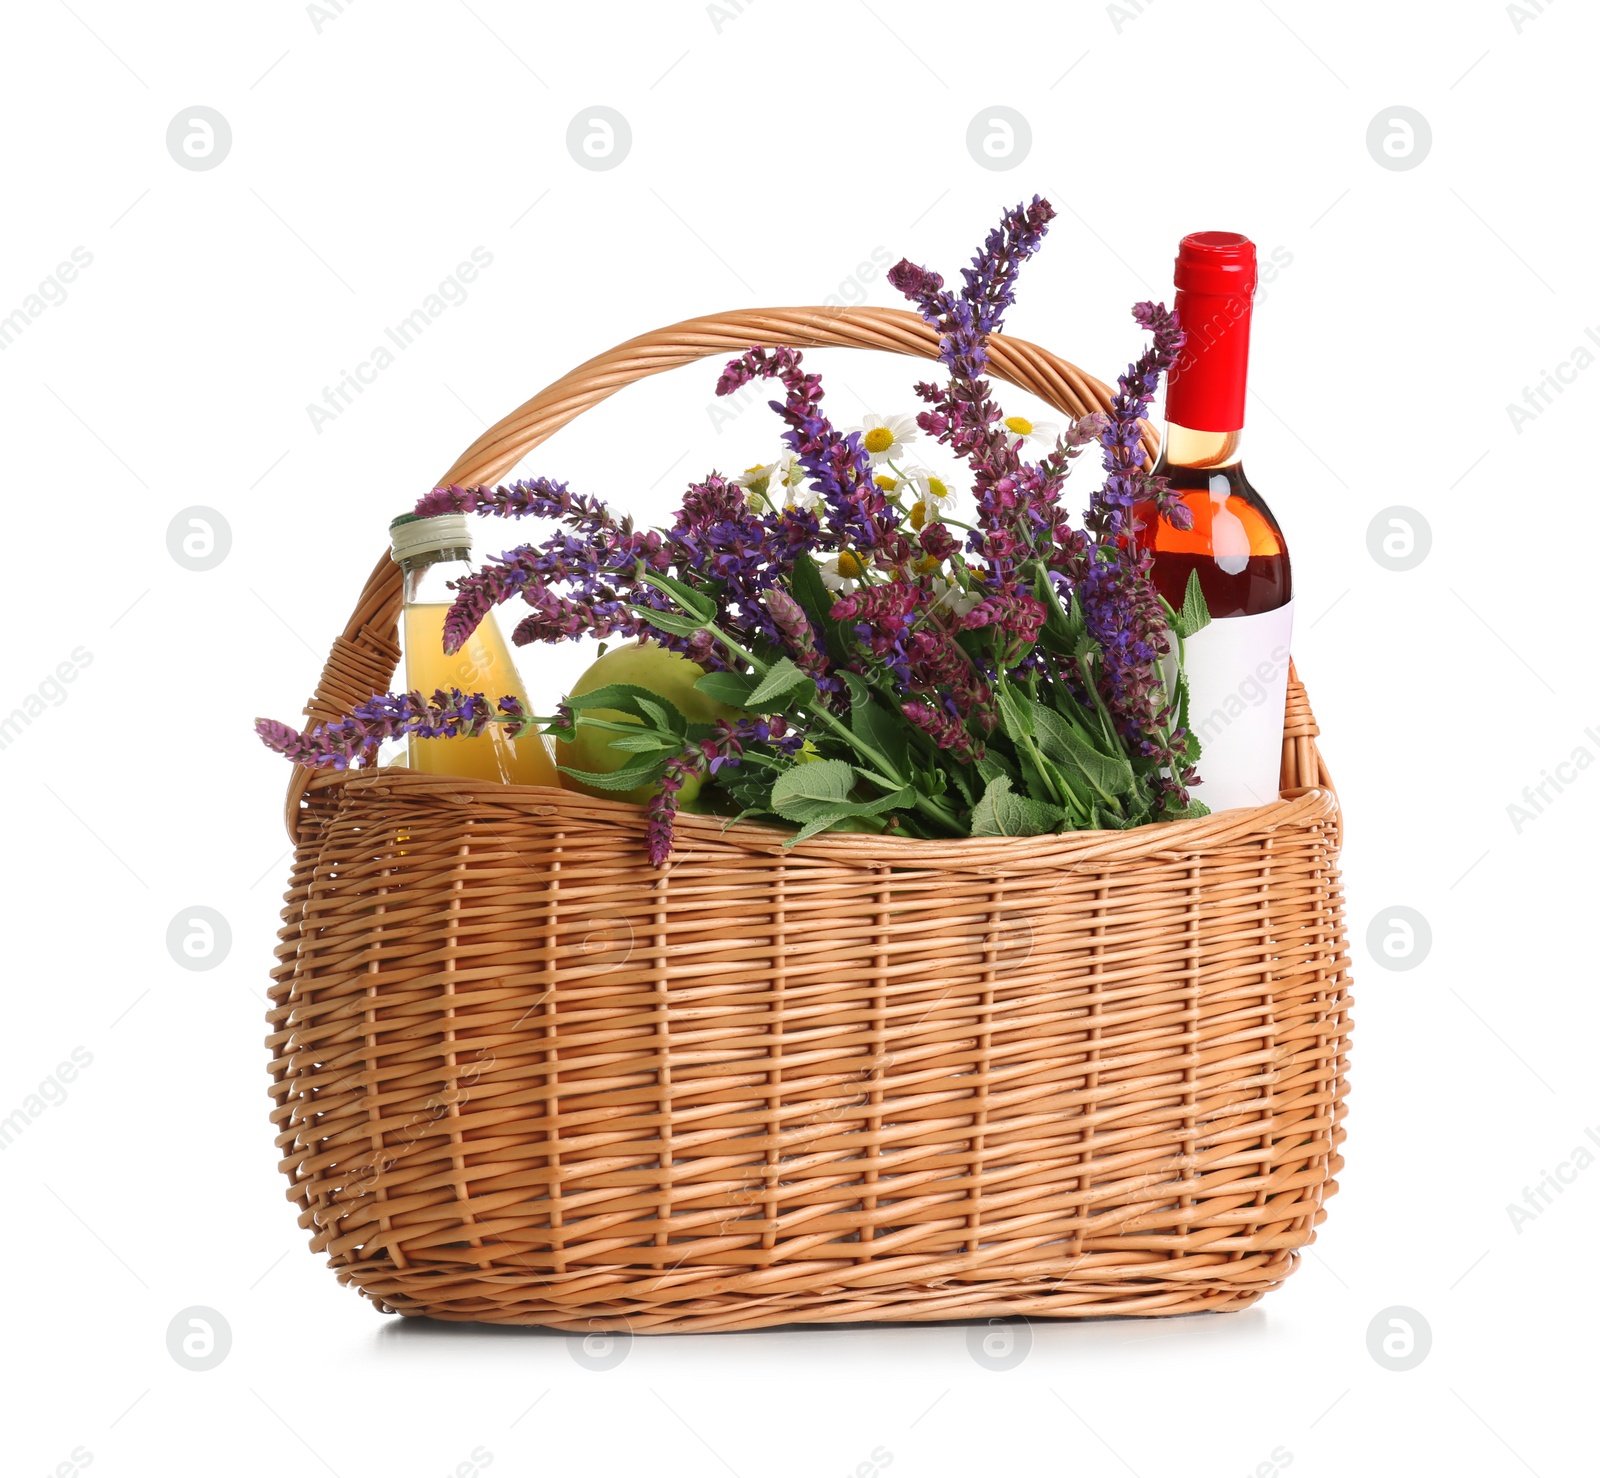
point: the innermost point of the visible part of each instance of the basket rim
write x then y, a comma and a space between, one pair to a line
1300, 808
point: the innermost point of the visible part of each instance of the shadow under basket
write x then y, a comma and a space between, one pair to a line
520, 1076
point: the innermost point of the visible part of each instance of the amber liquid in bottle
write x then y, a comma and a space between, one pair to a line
432, 553
1234, 544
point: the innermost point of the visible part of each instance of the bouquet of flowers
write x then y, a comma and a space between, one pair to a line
883, 671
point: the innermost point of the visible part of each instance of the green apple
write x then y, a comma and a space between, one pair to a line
640, 665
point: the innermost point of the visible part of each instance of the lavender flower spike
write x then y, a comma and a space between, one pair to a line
991, 286
1121, 434
538, 497
355, 739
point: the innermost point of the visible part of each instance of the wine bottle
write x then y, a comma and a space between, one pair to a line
1238, 666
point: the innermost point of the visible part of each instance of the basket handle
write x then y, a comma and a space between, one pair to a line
365, 654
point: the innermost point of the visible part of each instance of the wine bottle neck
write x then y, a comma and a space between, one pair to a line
1182, 446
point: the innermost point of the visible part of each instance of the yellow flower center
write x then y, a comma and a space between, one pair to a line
938, 489
879, 439
1020, 424
850, 566
919, 514
886, 483
927, 565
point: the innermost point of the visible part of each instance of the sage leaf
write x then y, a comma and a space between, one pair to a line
1110, 775
695, 602
624, 779
639, 703
823, 780
668, 621
1195, 615
732, 688
782, 680
1002, 813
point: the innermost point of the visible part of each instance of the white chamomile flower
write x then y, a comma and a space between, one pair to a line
934, 494
1044, 432
779, 483
758, 481
886, 436
841, 572
948, 593
789, 484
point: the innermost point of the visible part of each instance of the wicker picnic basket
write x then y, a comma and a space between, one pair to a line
522, 1077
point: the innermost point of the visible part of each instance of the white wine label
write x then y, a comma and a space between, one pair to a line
1238, 669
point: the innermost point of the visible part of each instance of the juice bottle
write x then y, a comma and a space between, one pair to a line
431, 552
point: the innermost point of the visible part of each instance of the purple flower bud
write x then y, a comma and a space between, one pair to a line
945, 731
938, 541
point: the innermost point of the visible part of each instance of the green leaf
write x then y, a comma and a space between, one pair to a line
1110, 775
1002, 813
1052, 731
809, 830
668, 621
1016, 715
876, 727
1108, 820
782, 679
1190, 753
815, 816
695, 602
638, 702
612, 695
823, 780
749, 785
655, 709
624, 779
1195, 615
1077, 622
1056, 633
881, 730
647, 743
1040, 779
820, 824
816, 795
807, 587
993, 766
958, 778
732, 688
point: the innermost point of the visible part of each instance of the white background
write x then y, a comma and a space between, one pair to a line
774, 149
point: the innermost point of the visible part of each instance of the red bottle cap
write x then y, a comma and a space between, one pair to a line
1216, 282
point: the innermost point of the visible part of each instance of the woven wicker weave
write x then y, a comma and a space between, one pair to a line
522, 1077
